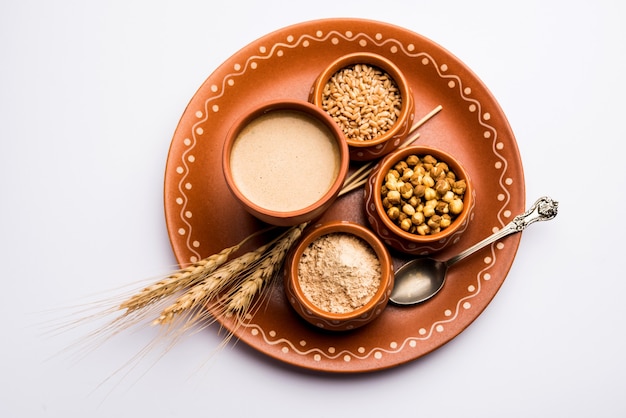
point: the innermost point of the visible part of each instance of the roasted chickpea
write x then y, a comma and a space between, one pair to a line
442, 207
448, 197
406, 191
422, 195
418, 218
419, 190
394, 197
408, 209
393, 213
442, 187
412, 160
434, 221
423, 229
459, 187
456, 206
401, 166
428, 181
429, 159
429, 209
430, 194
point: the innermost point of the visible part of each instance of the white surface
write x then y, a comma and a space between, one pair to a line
90, 95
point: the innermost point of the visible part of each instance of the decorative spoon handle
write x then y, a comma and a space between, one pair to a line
543, 209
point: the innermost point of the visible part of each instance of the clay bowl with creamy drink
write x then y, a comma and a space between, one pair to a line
285, 161
339, 276
419, 199
369, 97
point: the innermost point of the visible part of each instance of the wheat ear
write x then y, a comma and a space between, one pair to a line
253, 266
240, 301
210, 286
181, 279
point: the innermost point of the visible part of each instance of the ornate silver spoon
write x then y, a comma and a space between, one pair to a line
421, 278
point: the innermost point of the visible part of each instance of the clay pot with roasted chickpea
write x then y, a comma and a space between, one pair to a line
419, 200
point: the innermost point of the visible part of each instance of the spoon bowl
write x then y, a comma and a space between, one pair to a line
422, 278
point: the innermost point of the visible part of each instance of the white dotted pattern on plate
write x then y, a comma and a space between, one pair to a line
271, 337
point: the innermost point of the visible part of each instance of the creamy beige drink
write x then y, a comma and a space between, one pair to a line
284, 160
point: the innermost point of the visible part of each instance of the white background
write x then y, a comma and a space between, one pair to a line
90, 95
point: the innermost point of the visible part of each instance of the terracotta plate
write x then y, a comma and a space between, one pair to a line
202, 218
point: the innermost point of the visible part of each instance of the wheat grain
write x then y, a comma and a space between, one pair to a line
364, 100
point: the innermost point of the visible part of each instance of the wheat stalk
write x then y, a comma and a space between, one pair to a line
204, 291
241, 299
244, 276
176, 281
181, 279
216, 286
235, 284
